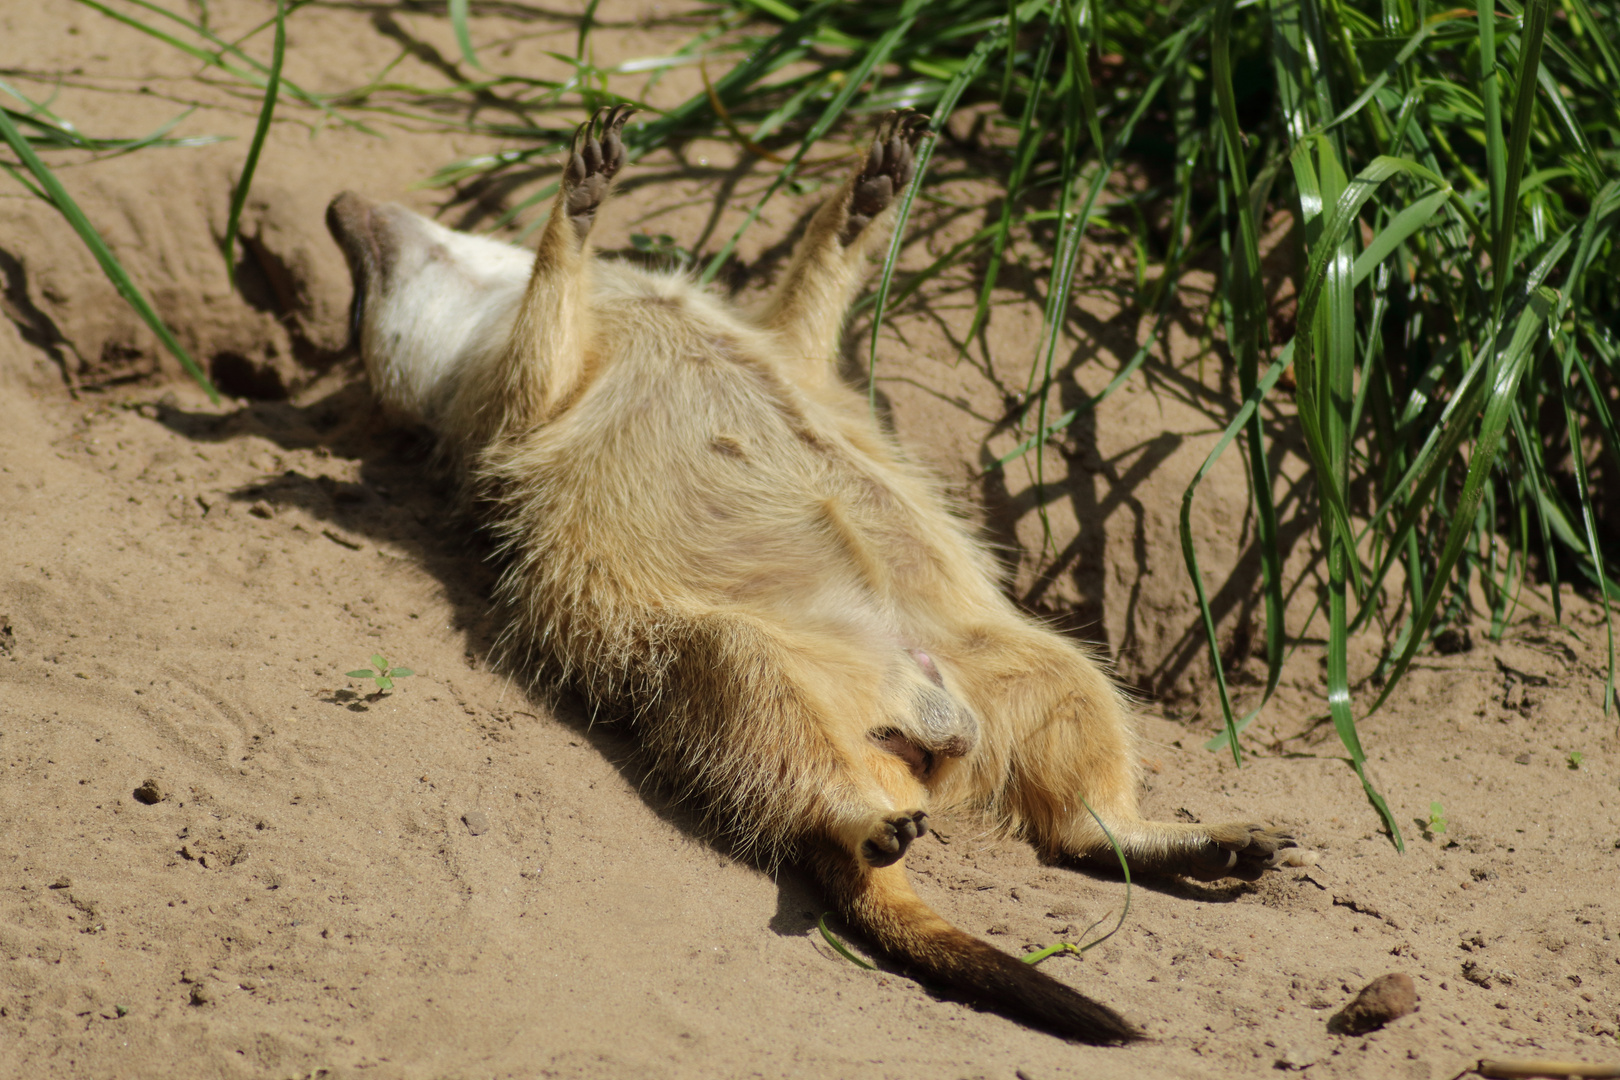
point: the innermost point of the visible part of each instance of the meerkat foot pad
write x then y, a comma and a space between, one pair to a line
892, 835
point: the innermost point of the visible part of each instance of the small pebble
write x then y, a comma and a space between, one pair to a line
151, 793
1388, 997
63, 882
201, 994
1294, 1058
475, 821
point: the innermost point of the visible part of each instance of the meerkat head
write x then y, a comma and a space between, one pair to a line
429, 303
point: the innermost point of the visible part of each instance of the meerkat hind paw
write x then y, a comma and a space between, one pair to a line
1244, 851
892, 835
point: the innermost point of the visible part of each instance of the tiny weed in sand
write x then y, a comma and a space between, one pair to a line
1437, 818
1035, 956
381, 674
1575, 758
839, 947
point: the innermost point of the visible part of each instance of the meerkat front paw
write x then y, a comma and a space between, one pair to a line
594, 160
890, 163
891, 835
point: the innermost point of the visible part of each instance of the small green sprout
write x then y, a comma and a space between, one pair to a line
1575, 759
1437, 818
383, 675
1037, 955
839, 947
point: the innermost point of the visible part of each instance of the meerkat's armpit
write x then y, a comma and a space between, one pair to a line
704, 527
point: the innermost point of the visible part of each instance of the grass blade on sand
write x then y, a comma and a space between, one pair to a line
59, 198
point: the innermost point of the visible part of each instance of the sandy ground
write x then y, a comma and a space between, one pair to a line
455, 880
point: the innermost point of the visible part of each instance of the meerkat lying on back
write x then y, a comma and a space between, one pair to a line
705, 528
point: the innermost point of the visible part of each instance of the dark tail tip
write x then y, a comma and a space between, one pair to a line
1007, 985
881, 902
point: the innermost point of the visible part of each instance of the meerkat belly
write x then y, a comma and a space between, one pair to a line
721, 479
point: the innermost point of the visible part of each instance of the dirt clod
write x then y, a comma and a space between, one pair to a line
1486, 977
1388, 997
475, 821
1453, 640
150, 793
201, 994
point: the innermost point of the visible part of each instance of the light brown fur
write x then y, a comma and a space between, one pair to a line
704, 526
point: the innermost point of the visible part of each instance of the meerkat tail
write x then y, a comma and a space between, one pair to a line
881, 903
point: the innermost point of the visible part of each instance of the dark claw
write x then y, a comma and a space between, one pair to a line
596, 154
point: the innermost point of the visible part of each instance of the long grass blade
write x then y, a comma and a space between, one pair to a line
1535, 29
458, 24
257, 77
267, 112
1247, 304
1490, 93
1189, 554
959, 83
839, 947
835, 108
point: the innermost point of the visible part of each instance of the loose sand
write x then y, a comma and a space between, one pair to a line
456, 880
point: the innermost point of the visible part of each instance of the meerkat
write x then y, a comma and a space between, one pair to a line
704, 528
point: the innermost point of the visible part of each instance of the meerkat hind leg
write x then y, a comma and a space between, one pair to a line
544, 363
796, 710
1242, 850
1065, 747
